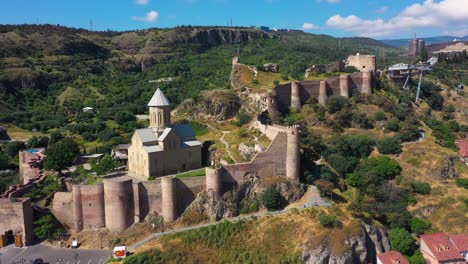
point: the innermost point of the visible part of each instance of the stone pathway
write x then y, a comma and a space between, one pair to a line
226, 144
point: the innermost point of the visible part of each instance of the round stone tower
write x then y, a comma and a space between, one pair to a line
119, 207
214, 181
366, 82
323, 93
293, 154
344, 85
169, 203
159, 110
77, 208
295, 96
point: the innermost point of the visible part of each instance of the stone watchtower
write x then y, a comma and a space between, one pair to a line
159, 110
293, 153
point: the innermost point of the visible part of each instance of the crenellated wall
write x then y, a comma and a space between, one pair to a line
17, 215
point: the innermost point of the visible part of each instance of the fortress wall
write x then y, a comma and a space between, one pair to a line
119, 204
214, 182
62, 208
92, 205
270, 162
186, 190
150, 198
311, 88
271, 131
169, 200
17, 216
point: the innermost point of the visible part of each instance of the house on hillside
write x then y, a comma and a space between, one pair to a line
463, 149
439, 248
461, 243
163, 148
391, 257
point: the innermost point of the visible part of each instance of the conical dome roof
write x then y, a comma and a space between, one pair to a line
158, 99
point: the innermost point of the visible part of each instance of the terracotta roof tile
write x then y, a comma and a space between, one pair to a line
462, 147
392, 257
441, 246
460, 242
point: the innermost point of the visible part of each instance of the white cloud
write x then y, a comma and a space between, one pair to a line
429, 14
150, 17
142, 2
309, 26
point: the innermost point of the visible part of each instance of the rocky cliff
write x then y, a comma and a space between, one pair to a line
360, 248
230, 204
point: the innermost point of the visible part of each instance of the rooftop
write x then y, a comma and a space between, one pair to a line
460, 242
392, 257
462, 147
159, 99
441, 246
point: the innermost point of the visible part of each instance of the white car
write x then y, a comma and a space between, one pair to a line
120, 252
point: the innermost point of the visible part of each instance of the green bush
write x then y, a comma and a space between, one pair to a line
44, 227
242, 118
272, 199
380, 116
419, 226
328, 220
393, 125
337, 103
462, 182
402, 241
417, 258
421, 187
389, 145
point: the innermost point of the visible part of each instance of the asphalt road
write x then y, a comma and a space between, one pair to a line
11, 255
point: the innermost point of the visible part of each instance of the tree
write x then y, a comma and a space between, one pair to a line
393, 125
324, 186
55, 137
123, 117
417, 258
402, 241
380, 116
419, 226
337, 103
105, 165
272, 199
12, 148
61, 155
43, 227
4, 161
389, 145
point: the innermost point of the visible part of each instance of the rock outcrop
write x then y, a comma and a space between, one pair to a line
271, 67
447, 170
362, 248
250, 189
225, 36
220, 105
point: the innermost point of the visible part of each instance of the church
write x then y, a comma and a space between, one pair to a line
163, 148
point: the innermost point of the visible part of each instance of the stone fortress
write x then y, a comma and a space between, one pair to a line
163, 148
119, 202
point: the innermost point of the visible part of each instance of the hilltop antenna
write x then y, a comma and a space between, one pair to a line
231, 21
91, 25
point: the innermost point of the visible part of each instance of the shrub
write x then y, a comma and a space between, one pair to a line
242, 118
276, 82
393, 125
419, 226
380, 116
43, 227
402, 241
328, 220
462, 183
337, 103
389, 145
272, 199
12, 148
417, 258
421, 187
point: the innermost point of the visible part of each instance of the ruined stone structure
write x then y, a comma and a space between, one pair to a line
16, 215
30, 164
163, 148
294, 95
362, 62
118, 203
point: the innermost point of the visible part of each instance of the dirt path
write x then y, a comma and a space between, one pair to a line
226, 145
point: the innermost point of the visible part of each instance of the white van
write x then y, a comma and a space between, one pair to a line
120, 252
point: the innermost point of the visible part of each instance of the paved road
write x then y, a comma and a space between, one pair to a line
11, 255
313, 200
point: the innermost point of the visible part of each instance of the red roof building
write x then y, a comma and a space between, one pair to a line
461, 243
462, 149
391, 257
438, 248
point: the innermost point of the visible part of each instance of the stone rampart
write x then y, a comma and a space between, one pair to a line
17, 215
346, 84
119, 204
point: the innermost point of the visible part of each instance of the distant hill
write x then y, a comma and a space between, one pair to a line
430, 40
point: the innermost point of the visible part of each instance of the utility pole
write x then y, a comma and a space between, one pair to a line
91, 25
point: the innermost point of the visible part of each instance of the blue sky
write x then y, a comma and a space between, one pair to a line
373, 18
